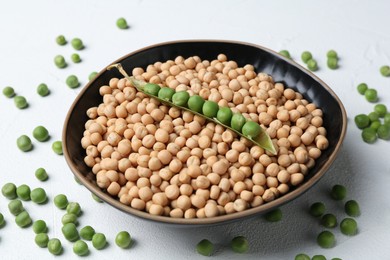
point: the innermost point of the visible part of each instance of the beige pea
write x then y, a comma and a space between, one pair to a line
240, 205
138, 204
114, 188
183, 202
109, 164
322, 142
173, 148
296, 179
259, 179
211, 210
175, 165
314, 153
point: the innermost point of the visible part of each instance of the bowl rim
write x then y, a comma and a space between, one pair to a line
221, 218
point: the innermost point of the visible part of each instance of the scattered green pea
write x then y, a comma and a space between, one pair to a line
2, 220
195, 103
39, 226
40, 133
332, 54
20, 102
338, 192
80, 248
302, 257
23, 192
239, 244
92, 75
317, 209
87, 233
383, 132
69, 218
15, 207
336, 258
375, 125
43, 90
123, 239
362, 121
9, 191
75, 57
72, 81
285, 53
57, 147
23, 219
54, 246
121, 23
60, 40
306, 56
380, 109
180, 98
99, 241
237, 122
24, 143
61, 201
38, 195
362, 88
326, 239
274, 215
205, 247
41, 174
385, 71
73, 207
352, 208
41, 239
251, 129
332, 63
60, 62
371, 95
9, 92
329, 220
152, 89
369, 135
210, 109
96, 198
348, 226
77, 44
166, 93
318, 257
70, 232
312, 65
373, 116
386, 119
225, 115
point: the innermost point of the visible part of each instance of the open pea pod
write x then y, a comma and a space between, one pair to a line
262, 139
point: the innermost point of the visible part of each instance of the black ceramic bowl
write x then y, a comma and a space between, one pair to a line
264, 60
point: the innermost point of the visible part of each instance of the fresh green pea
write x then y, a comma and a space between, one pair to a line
41, 174
371, 95
77, 44
306, 56
152, 89
369, 135
24, 143
57, 147
9, 92
70, 232
317, 209
38, 195
92, 75
285, 53
69, 218
332, 54
23, 192
225, 115
2, 220
61, 201
15, 207
180, 98
251, 129
332, 63
73, 207
99, 241
302, 257
96, 198
166, 93
60, 40
383, 132
123, 239
329, 220
87, 233
40, 133
210, 109
362, 121
362, 88
23, 219
60, 62
318, 257
348, 226
195, 103
72, 81
380, 109
43, 90
375, 125
373, 116
326, 239
54, 246
75, 57
385, 71
312, 65
274, 215
121, 23
338, 192
238, 121
239, 244
20, 102
205, 247
39, 226
336, 258
352, 208
9, 191
41, 239
80, 248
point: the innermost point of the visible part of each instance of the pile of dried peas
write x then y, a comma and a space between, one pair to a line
169, 162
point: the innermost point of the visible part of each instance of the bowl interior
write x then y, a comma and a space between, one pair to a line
264, 60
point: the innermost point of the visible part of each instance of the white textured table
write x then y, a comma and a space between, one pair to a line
358, 30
